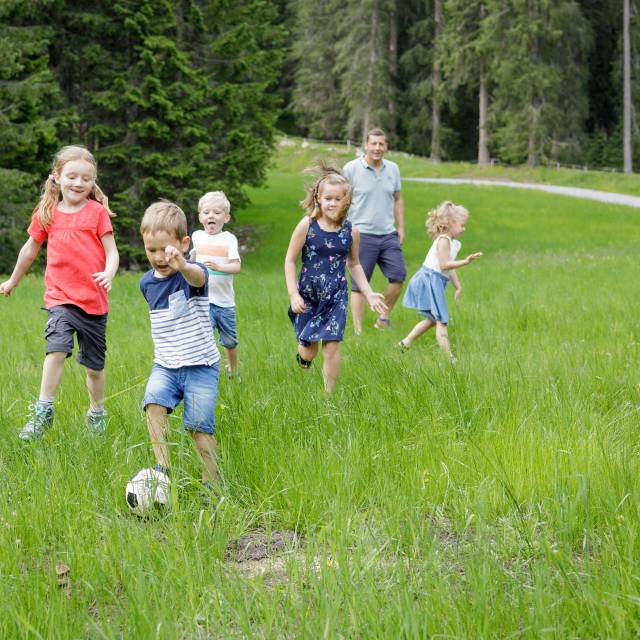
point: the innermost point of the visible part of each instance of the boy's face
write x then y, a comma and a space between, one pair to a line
213, 220
154, 246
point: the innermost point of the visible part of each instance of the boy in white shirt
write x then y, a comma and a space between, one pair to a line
218, 251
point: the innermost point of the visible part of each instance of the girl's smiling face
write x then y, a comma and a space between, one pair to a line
332, 201
76, 181
457, 227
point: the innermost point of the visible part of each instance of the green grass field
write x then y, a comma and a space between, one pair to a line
497, 498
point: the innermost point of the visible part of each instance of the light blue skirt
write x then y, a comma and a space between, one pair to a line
425, 292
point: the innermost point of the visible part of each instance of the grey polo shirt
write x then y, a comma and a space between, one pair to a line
373, 198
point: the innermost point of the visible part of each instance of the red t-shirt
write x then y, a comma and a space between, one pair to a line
74, 253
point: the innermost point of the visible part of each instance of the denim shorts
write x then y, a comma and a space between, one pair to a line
224, 320
197, 386
384, 251
67, 319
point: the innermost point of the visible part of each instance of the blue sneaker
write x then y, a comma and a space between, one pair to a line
97, 420
41, 419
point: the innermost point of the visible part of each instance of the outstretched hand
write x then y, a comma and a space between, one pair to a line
104, 279
473, 256
376, 302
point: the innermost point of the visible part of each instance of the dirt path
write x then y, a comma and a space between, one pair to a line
574, 192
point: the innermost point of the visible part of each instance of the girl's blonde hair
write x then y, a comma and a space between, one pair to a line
325, 174
439, 220
51, 190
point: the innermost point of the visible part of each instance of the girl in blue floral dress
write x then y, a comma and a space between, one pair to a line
319, 298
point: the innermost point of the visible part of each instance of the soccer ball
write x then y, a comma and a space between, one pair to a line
149, 488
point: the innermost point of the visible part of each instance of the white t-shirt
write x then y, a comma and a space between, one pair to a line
223, 248
432, 262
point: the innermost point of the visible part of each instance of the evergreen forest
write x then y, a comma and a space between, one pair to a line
178, 97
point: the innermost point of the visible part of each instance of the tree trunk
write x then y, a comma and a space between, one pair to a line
373, 58
483, 102
483, 134
393, 67
436, 152
626, 107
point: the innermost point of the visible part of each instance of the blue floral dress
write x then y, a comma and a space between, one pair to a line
323, 285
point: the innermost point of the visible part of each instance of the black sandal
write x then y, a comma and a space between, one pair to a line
305, 364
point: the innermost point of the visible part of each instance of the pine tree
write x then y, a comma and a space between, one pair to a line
464, 51
364, 64
31, 106
415, 77
31, 115
316, 94
540, 77
184, 105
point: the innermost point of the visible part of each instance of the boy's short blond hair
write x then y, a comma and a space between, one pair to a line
164, 216
215, 200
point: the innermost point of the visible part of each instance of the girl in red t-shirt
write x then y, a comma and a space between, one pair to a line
73, 216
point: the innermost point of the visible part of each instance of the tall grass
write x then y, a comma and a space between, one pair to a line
494, 498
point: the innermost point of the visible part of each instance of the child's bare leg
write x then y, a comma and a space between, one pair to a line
95, 386
442, 336
422, 327
52, 371
232, 361
357, 311
308, 352
158, 428
331, 364
207, 448
391, 294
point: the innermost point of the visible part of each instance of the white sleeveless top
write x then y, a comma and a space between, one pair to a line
432, 262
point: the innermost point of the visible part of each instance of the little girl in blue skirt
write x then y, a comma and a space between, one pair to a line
425, 291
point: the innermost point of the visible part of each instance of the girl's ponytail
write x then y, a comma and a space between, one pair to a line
98, 195
48, 200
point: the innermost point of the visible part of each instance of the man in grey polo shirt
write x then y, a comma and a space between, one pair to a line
376, 207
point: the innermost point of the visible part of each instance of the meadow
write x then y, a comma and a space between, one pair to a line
493, 498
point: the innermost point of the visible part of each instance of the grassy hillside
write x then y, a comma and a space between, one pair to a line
494, 498
295, 154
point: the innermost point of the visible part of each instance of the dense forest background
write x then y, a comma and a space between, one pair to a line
177, 97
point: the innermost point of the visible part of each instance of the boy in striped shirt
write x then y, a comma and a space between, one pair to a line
186, 358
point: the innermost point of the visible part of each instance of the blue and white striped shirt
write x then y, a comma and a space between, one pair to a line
180, 324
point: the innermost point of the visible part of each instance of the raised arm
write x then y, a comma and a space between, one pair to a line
26, 256
443, 256
112, 261
375, 300
298, 238
193, 273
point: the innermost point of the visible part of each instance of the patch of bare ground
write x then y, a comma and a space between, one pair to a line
260, 554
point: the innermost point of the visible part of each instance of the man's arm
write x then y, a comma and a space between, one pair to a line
398, 213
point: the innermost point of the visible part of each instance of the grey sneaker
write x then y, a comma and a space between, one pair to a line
97, 421
41, 419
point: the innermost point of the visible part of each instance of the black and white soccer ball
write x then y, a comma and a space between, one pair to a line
148, 489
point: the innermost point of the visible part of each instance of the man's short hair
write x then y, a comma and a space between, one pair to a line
375, 132
216, 201
164, 216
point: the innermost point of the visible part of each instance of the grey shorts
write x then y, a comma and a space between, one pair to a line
384, 251
67, 319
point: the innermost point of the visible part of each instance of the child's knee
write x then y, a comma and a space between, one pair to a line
95, 374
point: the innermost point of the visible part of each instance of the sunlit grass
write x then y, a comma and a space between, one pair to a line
497, 498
